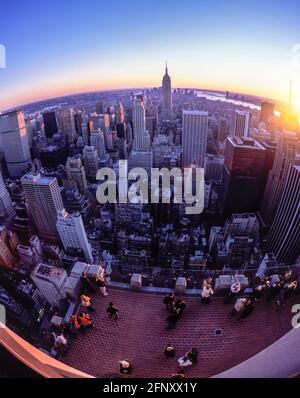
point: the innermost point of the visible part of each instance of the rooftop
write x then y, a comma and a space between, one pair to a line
248, 143
195, 113
141, 334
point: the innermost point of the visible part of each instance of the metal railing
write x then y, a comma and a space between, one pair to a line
166, 277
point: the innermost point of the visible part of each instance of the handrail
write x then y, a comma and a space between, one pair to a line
35, 359
280, 360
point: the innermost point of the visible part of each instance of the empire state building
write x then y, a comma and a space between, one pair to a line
166, 97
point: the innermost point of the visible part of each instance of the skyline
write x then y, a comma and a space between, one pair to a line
85, 49
127, 214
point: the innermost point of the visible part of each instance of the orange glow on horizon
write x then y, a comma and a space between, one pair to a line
61, 89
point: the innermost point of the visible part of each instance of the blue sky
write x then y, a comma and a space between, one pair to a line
59, 47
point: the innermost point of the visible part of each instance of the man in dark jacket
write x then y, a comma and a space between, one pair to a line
87, 284
112, 311
169, 301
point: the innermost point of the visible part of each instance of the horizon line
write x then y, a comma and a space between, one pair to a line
277, 102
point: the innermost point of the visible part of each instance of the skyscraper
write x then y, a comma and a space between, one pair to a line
284, 237
141, 136
121, 131
85, 133
140, 158
97, 140
286, 155
99, 108
14, 142
141, 155
267, 111
194, 138
243, 175
50, 124
78, 119
214, 168
151, 125
166, 96
44, 200
7, 212
7, 260
72, 233
120, 116
223, 129
75, 171
241, 124
68, 124
91, 161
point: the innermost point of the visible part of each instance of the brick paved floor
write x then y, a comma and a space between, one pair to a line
141, 334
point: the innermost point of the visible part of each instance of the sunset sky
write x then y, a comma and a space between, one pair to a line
62, 47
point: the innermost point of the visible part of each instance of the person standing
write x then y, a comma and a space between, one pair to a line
207, 281
100, 280
235, 289
180, 307
239, 305
288, 291
273, 290
248, 309
125, 367
87, 284
169, 301
258, 292
172, 320
112, 311
206, 294
60, 343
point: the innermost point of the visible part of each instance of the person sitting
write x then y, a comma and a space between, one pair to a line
169, 351
193, 355
206, 294
85, 321
86, 303
189, 359
125, 367
73, 325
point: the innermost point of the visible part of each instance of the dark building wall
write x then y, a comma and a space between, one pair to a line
243, 179
53, 158
50, 124
78, 123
